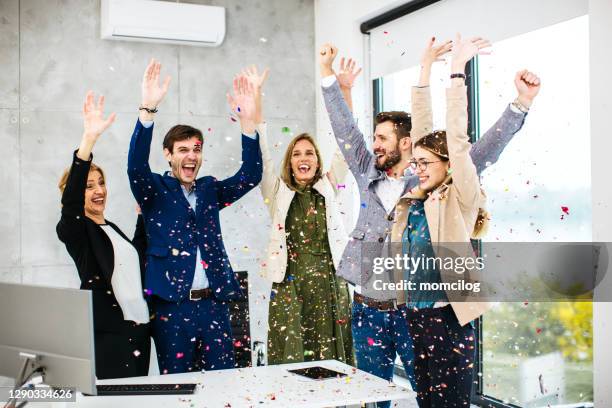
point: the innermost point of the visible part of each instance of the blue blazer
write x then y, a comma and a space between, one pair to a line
175, 231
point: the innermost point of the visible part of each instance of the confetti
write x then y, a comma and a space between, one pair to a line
263, 40
565, 209
339, 186
179, 355
136, 353
371, 341
204, 264
286, 129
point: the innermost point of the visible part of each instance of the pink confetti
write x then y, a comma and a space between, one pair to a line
370, 341
179, 355
339, 186
204, 264
565, 209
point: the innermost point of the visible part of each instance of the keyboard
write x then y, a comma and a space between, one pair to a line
145, 389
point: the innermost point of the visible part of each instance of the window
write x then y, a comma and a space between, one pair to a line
533, 354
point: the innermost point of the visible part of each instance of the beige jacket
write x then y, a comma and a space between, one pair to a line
452, 210
278, 196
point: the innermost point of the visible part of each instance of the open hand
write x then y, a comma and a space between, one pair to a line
434, 53
242, 103
465, 49
152, 92
94, 123
347, 74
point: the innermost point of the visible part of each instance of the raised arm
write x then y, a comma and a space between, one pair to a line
489, 147
421, 112
242, 103
139, 172
269, 181
72, 222
348, 136
346, 77
465, 177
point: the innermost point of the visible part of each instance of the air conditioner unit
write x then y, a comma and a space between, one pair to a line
162, 22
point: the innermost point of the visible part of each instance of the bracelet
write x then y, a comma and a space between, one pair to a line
154, 110
518, 105
458, 75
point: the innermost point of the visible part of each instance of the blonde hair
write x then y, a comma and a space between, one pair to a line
66, 174
287, 172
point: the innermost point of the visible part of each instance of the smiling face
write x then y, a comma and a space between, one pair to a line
95, 195
304, 162
185, 160
386, 146
436, 171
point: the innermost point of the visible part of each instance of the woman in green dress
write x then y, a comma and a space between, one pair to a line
309, 309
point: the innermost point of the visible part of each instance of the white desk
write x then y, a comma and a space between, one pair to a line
269, 386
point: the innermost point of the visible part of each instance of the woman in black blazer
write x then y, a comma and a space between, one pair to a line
108, 263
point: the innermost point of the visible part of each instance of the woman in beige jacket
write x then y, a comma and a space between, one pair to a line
309, 310
436, 221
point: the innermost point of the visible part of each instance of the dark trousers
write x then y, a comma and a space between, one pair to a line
378, 336
444, 358
125, 353
192, 335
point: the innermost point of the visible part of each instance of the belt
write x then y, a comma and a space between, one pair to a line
381, 305
197, 294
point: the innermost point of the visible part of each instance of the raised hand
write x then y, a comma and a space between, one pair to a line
242, 103
528, 86
434, 53
254, 77
347, 74
257, 80
327, 54
94, 123
464, 50
152, 92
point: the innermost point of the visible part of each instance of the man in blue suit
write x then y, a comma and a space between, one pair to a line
188, 274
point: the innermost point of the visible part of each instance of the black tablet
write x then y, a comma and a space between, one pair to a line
317, 373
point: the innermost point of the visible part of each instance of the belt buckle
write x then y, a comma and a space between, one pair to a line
191, 297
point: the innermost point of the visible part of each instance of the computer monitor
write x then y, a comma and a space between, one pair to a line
56, 325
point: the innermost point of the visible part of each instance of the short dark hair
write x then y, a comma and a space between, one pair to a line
436, 143
401, 122
181, 132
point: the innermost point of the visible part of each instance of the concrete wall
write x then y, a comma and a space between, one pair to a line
51, 54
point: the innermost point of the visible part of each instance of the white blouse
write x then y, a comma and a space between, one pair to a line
126, 281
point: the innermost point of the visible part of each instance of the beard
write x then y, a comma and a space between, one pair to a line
392, 158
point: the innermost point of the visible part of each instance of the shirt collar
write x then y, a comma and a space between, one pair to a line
189, 190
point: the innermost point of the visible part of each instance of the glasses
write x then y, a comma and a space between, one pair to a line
422, 164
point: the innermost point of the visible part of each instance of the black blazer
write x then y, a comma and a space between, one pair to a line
92, 250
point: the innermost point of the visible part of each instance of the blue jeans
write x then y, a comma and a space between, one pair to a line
377, 337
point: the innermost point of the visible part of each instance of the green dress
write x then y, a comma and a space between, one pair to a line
309, 315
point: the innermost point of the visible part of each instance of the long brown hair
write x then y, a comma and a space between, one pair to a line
66, 174
287, 172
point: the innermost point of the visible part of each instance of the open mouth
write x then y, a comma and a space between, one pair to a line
303, 169
379, 156
98, 201
189, 169
423, 179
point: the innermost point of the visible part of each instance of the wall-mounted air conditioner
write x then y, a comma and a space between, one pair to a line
162, 22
